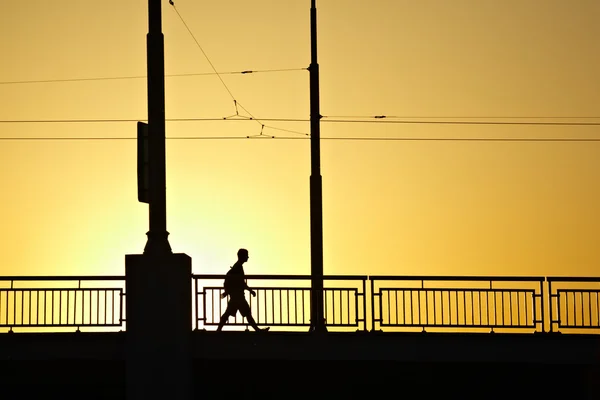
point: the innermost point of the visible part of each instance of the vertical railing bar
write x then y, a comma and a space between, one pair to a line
273, 305
332, 306
543, 305
356, 308
121, 306
412, 320
426, 303
419, 306
519, 309
551, 305
326, 305
380, 309
502, 307
389, 315
464, 303
287, 297
390, 303
591, 314
487, 307
525, 302
341, 308
196, 309
582, 312
434, 292
216, 305
348, 301
442, 304
598, 308
204, 301
510, 301
567, 307
37, 306
15, 308
295, 305
575, 313
22, 307
472, 308
7, 296
97, 307
83, 305
574, 308
303, 307
480, 311
457, 308
264, 297
364, 297
280, 307
372, 285
75, 307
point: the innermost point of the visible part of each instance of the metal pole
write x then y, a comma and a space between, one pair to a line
158, 242
316, 191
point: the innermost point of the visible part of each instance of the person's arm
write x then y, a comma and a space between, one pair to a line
252, 292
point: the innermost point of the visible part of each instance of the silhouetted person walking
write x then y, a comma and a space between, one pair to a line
235, 285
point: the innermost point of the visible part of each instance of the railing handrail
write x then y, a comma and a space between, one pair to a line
64, 278
572, 279
457, 278
283, 277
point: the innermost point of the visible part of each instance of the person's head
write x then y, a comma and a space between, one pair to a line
242, 255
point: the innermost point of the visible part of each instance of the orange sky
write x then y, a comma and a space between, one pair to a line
390, 207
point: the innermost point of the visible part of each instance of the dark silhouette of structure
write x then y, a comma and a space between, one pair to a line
235, 287
317, 318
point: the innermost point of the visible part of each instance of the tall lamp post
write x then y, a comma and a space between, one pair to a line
157, 282
317, 320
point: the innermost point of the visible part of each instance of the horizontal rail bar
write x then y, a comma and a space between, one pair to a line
63, 278
458, 278
572, 279
456, 325
454, 289
286, 277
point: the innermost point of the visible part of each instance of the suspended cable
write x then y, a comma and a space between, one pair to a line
240, 118
450, 117
108, 78
235, 102
348, 138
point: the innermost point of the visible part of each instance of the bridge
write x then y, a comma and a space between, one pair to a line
514, 334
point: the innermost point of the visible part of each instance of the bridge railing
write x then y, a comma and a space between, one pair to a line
457, 303
574, 303
61, 301
390, 303
284, 301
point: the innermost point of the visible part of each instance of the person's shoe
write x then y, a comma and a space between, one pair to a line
265, 329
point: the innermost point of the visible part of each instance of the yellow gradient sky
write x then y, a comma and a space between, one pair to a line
390, 207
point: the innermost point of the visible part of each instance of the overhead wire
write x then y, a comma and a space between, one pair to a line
107, 78
343, 138
240, 118
236, 103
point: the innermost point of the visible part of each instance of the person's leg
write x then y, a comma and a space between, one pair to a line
230, 311
245, 311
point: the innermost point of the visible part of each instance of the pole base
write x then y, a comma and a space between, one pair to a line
158, 326
318, 328
157, 243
